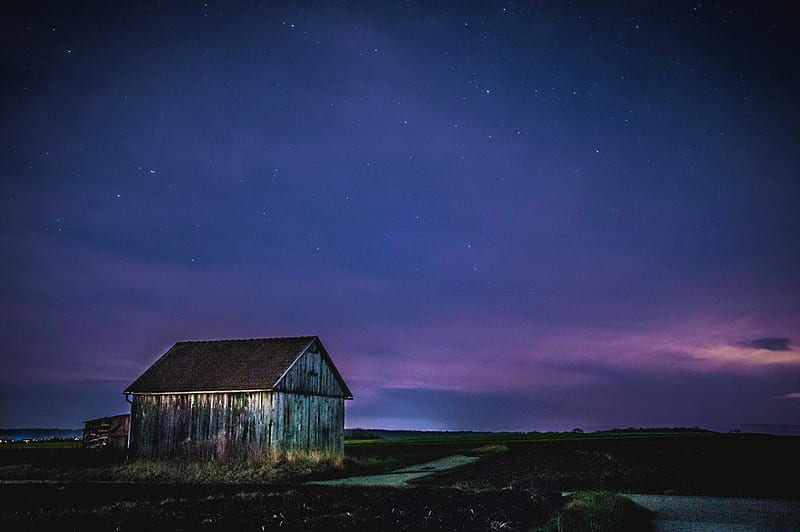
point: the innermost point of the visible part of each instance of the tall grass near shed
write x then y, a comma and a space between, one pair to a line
270, 466
92, 466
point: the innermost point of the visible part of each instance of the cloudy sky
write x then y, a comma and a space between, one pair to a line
496, 215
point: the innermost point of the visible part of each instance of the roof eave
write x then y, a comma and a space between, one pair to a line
175, 392
128, 392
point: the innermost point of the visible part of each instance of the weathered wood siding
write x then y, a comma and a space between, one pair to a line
226, 426
107, 433
312, 374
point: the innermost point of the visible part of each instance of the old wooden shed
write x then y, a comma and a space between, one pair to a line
235, 399
106, 433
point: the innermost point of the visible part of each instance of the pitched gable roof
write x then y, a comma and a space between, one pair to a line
225, 365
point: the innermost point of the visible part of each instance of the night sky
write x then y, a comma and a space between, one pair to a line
496, 215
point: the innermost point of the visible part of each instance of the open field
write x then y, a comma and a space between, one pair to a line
38, 445
515, 485
254, 507
734, 465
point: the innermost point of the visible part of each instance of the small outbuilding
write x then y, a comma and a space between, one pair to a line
107, 433
236, 399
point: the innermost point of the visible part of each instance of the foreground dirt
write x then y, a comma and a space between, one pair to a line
732, 465
138, 507
514, 489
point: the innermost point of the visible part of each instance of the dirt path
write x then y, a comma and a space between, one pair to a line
400, 477
678, 513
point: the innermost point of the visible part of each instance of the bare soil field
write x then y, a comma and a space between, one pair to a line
138, 507
515, 485
732, 465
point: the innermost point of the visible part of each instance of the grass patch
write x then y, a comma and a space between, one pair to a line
500, 438
492, 448
264, 468
599, 511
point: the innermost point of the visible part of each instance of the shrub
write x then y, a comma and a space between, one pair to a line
600, 511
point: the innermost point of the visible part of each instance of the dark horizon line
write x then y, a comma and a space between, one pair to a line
588, 431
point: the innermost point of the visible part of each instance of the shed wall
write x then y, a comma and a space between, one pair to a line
312, 374
226, 426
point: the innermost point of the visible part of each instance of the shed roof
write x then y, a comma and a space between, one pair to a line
226, 365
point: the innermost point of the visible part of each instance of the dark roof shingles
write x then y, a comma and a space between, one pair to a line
221, 365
